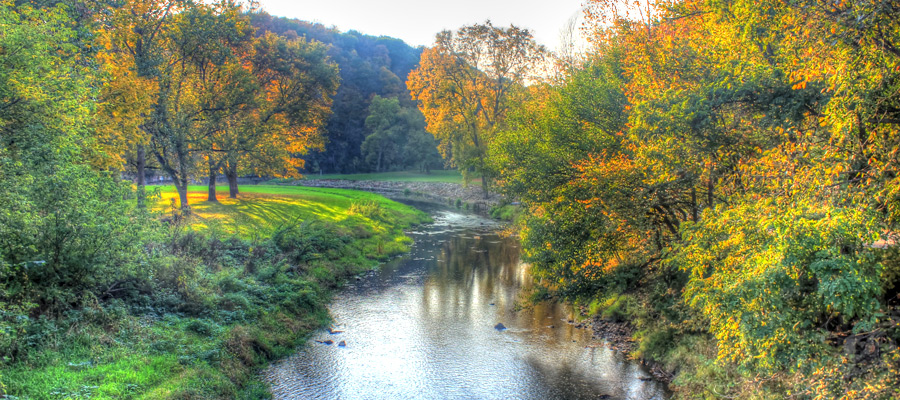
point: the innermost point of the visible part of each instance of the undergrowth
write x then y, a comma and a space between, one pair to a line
207, 311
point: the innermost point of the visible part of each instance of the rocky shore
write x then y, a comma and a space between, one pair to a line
619, 336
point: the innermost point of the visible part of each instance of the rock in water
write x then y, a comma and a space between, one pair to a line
325, 341
334, 331
342, 344
500, 327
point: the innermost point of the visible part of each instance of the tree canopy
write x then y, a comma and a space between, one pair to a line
731, 168
466, 85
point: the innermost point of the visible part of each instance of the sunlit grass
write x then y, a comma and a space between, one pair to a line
259, 210
163, 357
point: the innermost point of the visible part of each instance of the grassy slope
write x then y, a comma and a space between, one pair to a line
451, 176
261, 209
245, 318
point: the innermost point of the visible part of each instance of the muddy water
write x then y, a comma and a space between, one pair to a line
423, 327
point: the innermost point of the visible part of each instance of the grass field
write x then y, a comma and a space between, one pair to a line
242, 283
261, 209
449, 176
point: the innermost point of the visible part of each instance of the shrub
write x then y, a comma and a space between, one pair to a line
370, 209
309, 241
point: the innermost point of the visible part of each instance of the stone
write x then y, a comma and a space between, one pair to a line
500, 327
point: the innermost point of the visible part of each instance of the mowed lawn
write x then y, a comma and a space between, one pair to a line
259, 210
449, 176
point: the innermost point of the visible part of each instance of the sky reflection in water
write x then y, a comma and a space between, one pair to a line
423, 328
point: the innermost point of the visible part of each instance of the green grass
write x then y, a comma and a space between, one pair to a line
261, 209
250, 279
449, 176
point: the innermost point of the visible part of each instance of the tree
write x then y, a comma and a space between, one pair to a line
368, 66
382, 146
66, 230
467, 83
398, 139
191, 53
732, 166
296, 82
128, 91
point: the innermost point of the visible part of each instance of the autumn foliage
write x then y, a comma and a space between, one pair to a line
733, 167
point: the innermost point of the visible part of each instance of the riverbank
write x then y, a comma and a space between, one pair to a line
454, 194
620, 337
217, 297
426, 325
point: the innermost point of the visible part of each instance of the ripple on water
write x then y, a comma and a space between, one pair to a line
423, 328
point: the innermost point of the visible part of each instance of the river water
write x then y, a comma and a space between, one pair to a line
423, 327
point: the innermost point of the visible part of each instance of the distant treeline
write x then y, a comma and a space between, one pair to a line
369, 66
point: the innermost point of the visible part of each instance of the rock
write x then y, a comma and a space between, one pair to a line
333, 331
342, 344
500, 327
491, 304
552, 327
645, 379
328, 342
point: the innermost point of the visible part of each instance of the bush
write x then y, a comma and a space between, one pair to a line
370, 209
308, 241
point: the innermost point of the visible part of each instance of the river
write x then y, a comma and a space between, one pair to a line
423, 327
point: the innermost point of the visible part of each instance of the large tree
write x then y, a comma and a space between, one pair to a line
398, 138
294, 85
192, 84
64, 226
466, 85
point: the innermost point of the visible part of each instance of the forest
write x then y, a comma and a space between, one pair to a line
721, 177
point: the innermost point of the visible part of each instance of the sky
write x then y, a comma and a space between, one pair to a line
417, 21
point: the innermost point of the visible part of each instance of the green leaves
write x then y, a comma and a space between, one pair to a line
66, 230
769, 277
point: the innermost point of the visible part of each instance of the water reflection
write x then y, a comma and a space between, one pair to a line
423, 328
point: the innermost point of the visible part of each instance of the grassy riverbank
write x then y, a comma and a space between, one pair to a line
240, 283
448, 176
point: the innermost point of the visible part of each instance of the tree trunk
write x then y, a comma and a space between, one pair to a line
231, 175
141, 183
380, 154
213, 171
181, 187
694, 211
484, 184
